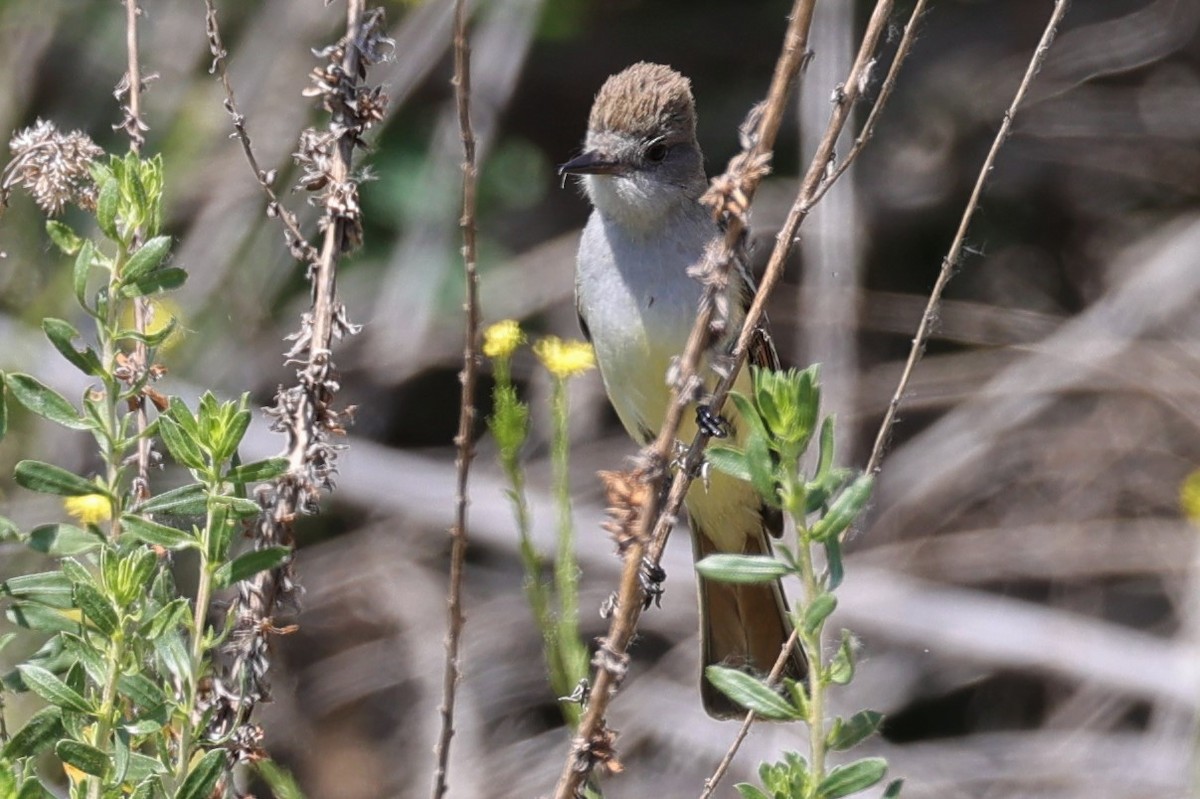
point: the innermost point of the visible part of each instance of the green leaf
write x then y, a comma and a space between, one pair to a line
33, 616
750, 693
259, 471
748, 413
729, 568
48, 588
188, 500
83, 269
893, 789
40, 731
825, 449
845, 734
818, 611
45, 401
172, 277
748, 791
87, 759
149, 339
149, 532
84, 653
148, 258
144, 692
3, 407
6, 639
106, 207
142, 767
182, 445
245, 566
282, 784
239, 506
231, 436
168, 617
841, 670
833, 562
728, 460
203, 777
844, 510
63, 237
61, 334
762, 468
222, 524
63, 540
52, 689
33, 789
852, 777
98, 609
47, 478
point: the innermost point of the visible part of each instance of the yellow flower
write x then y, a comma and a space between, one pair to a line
89, 509
1189, 496
565, 359
502, 339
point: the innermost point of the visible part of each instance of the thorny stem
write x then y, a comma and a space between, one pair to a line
582, 757
953, 256
466, 418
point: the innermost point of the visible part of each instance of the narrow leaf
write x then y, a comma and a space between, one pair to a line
852, 777
161, 535
148, 257
833, 562
260, 471
893, 789
250, 564
181, 444
40, 731
87, 759
61, 334
728, 568
97, 609
63, 540
106, 207
750, 693
33, 616
49, 588
239, 506
729, 461
45, 401
83, 269
63, 237
203, 777
749, 791
818, 611
188, 500
844, 510
47, 478
52, 689
144, 692
854, 729
172, 277
3, 407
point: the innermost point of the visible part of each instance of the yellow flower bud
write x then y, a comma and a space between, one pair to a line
89, 509
565, 359
502, 339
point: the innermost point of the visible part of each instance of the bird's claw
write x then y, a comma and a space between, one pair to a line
651, 577
711, 424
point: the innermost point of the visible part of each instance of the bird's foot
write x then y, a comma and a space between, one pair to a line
651, 576
713, 425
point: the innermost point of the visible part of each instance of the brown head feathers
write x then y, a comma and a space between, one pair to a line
645, 100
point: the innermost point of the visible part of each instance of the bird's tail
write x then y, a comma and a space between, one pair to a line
743, 626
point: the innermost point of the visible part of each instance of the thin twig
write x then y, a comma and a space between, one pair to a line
951, 261
466, 416
592, 744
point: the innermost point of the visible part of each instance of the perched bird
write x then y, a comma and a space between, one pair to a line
643, 172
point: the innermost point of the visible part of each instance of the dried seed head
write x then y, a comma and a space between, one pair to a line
54, 167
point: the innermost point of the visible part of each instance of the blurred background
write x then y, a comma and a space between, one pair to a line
1026, 584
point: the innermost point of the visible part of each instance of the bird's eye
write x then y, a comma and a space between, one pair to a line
657, 152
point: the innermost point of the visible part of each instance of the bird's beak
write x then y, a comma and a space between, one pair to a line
592, 163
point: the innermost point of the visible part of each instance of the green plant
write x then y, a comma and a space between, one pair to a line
781, 416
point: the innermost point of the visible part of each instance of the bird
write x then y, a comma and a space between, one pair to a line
642, 169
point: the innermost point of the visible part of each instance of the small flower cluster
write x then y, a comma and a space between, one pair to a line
54, 167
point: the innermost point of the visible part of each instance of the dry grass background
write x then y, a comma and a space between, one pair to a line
1024, 585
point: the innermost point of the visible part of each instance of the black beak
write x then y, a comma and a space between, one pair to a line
591, 163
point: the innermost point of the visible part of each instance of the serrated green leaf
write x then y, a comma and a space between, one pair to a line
844, 510
182, 445
188, 500
40, 731
45, 401
729, 568
750, 693
60, 334
852, 777
149, 532
63, 237
83, 269
48, 588
246, 566
818, 611
258, 471
728, 460
52, 689
166, 279
87, 759
63, 540
148, 258
853, 730
203, 777
97, 609
106, 207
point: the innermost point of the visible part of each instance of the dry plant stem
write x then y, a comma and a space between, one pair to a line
951, 261
301, 249
466, 415
141, 307
611, 658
